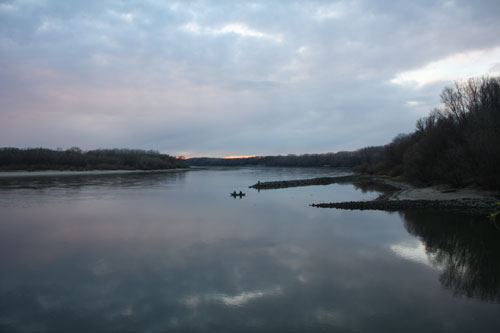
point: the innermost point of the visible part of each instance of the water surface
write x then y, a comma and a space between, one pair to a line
173, 252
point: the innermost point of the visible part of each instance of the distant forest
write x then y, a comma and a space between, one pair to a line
347, 159
33, 159
457, 145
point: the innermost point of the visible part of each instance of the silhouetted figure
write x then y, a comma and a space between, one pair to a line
234, 194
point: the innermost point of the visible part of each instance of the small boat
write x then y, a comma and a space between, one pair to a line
234, 194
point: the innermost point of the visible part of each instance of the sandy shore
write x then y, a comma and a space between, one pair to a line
440, 192
404, 196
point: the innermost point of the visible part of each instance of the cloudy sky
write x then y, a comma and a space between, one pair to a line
219, 78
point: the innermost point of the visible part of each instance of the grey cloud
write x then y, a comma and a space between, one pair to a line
117, 67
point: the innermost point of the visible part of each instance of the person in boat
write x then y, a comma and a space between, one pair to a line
241, 194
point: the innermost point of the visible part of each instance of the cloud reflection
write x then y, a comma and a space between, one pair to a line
414, 251
240, 299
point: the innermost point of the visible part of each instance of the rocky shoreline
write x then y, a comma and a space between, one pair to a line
476, 206
308, 182
396, 195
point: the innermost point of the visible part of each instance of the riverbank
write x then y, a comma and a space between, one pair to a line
397, 195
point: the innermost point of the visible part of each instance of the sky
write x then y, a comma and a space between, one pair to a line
221, 78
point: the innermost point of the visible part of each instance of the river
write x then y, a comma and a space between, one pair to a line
174, 252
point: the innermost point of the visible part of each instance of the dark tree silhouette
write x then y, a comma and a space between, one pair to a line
459, 144
75, 159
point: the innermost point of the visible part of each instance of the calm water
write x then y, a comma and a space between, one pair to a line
173, 252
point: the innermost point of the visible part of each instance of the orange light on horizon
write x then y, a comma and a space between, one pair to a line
240, 156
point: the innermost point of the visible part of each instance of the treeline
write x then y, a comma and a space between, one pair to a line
345, 159
458, 145
32, 159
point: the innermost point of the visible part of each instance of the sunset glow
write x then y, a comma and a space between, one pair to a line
240, 156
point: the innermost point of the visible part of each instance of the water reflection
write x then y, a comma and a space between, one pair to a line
465, 247
173, 252
42, 181
370, 186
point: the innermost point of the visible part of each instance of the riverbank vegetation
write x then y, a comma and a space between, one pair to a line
33, 159
458, 145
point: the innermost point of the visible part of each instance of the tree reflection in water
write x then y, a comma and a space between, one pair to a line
466, 247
